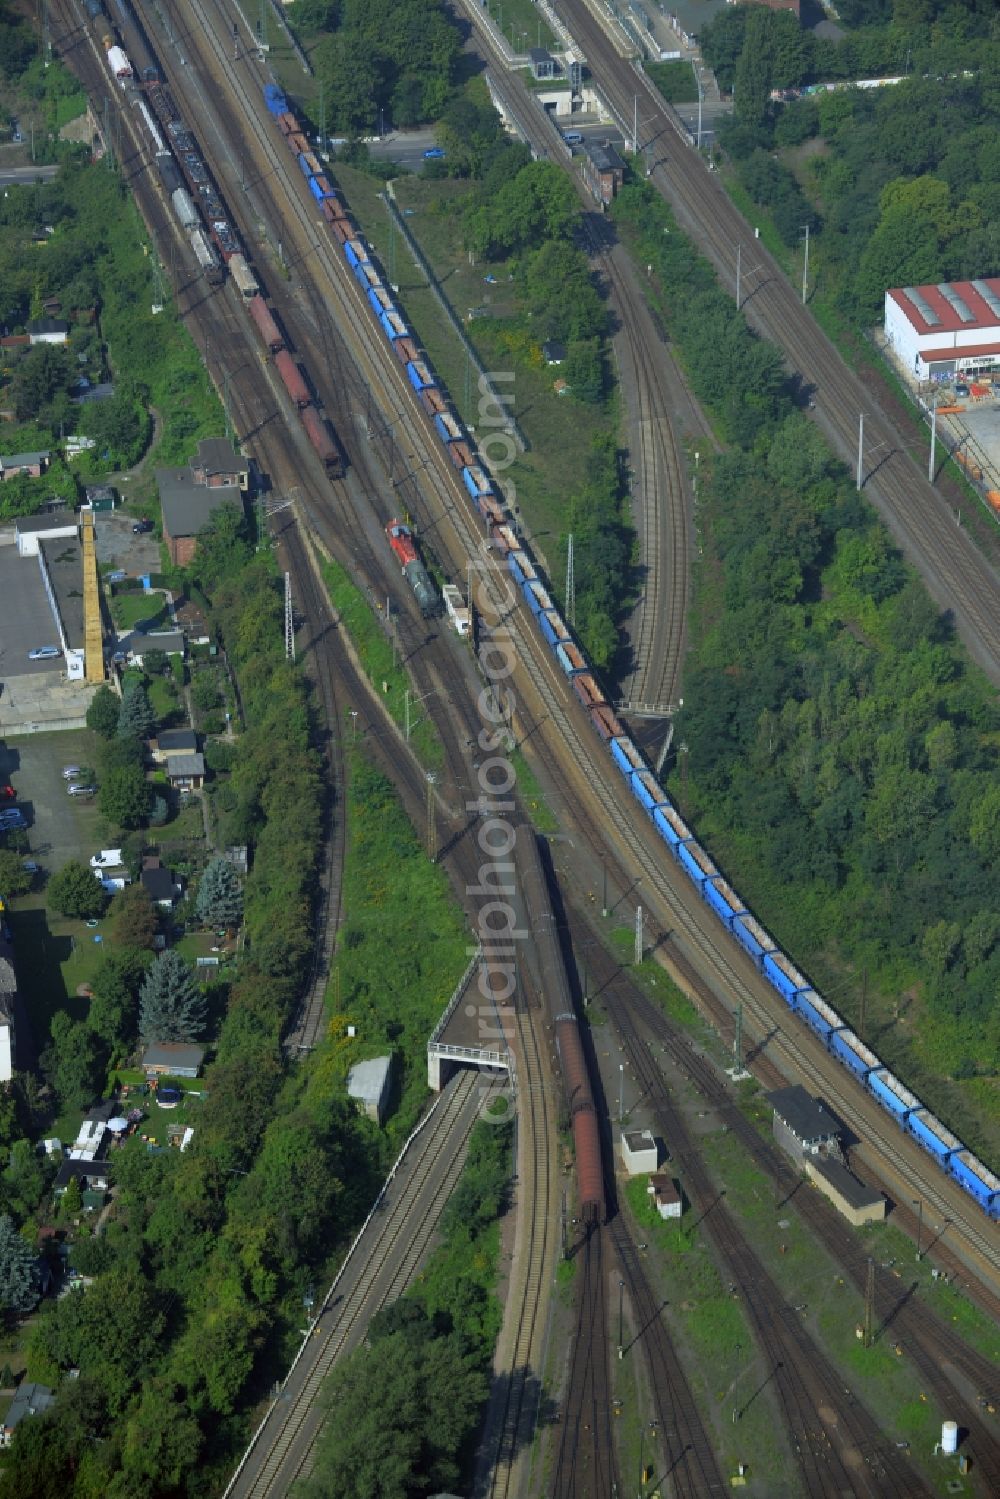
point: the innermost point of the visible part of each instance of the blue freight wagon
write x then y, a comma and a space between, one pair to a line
477, 480
696, 863
521, 566
817, 1014
852, 1051
670, 825
647, 790
748, 931
393, 326
419, 375
973, 1177
274, 98
309, 164
723, 899
571, 658
356, 252
554, 628
785, 977
448, 427
932, 1135
892, 1095
320, 188
536, 596
626, 756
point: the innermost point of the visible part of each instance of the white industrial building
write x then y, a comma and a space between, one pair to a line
952, 329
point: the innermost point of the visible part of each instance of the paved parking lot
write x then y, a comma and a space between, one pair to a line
60, 827
25, 617
138, 556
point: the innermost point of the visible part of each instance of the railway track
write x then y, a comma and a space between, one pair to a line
410, 1219
520, 1365
585, 1466
837, 1442
936, 1351
956, 573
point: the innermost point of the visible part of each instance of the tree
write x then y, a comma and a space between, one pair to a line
71, 1062
155, 663
24, 1179
135, 923
71, 1205
114, 1002
136, 719
14, 878
126, 796
102, 714
220, 895
171, 1005
19, 1287
75, 892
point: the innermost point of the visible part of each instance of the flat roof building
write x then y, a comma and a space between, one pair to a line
952, 328
172, 1059
858, 1203
368, 1083
639, 1152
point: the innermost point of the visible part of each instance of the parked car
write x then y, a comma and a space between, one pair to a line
142, 527
75, 790
30, 867
961, 390
12, 815
572, 137
108, 858
44, 653
434, 153
70, 772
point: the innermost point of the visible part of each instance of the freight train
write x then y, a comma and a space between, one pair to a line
558, 1003
199, 209
954, 1159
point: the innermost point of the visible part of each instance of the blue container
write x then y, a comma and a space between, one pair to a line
536, 596
748, 931
671, 826
442, 426
896, 1099
320, 188
469, 481
647, 791
356, 252
783, 976
853, 1053
554, 628
695, 863
275, 100
417, 376
570, 659
804, 1005
392, 324
930, 1133
521, 566
974, 1178
626, 756
715, 892
549, 621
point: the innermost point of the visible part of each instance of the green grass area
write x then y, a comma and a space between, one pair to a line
402, 949
675, 80
523, 24
376, 653
55, 956
532, 795
660, 986
710, 1328
132, 610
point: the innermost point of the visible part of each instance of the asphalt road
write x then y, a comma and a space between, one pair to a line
24, 176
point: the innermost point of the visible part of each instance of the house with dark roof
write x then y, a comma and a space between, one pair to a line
92, 1176
802, 1125
161, 887
219, 465
33, 465
135, 646
30, 1400
171, 742
553, 352
603, 170
543, 64
48, 330
186, 772
858, 1203
172, 1059
187, 506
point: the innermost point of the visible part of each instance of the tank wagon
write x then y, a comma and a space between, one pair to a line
487, 502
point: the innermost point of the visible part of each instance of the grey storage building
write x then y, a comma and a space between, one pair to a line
802, 1125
